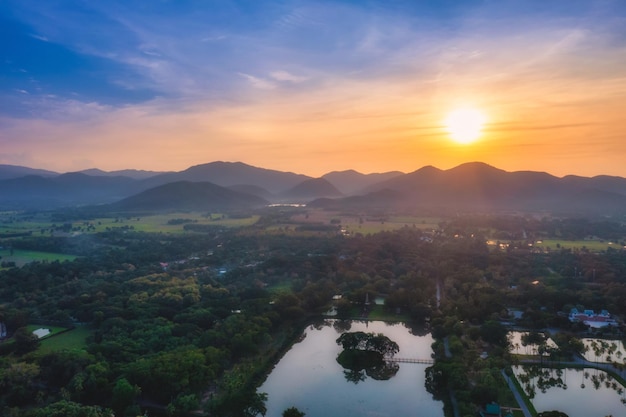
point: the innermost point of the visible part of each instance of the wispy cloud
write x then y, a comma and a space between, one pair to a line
39, 37
258, 82
286, 76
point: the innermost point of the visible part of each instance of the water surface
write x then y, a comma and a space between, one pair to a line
576, 392
308, 377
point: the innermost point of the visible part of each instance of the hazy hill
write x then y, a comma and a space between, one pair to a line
311, 189
478, 186
186, 195
15, 171
600, 182
136, 174
227, 174
351, 181
377, 199
253, 190
36, 192
467, 187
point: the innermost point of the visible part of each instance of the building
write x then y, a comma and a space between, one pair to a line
590, 318
493, 410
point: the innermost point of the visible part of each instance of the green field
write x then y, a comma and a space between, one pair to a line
40, 225
159, 222
22, 257
74, 340
592, 245
378, 312
280, 288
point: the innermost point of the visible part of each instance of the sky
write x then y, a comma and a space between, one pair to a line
312, 86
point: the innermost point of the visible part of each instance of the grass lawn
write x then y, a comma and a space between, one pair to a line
279, 288
73, 340
378, 312
22, 257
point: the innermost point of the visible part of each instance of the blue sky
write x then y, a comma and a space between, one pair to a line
176, 83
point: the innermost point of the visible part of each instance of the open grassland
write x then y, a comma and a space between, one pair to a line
22, 257
164, 223
592, 245
354, 223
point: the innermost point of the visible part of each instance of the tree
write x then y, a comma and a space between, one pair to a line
552, 414
124, 394
293, 412
25, 341
378, 343
256, 405
72, 409
18, 382
495, 333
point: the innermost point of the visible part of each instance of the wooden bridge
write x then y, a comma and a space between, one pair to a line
412, 360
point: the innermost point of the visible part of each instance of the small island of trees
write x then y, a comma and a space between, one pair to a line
365, 353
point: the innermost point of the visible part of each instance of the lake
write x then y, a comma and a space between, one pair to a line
308, 377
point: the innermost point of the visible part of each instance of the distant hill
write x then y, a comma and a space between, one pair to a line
378, 199
351, 182
73, 189
186, 195
15, 171
130, 173
600, 182
478, 186
468, 187
311, 189
253, 190
227, 174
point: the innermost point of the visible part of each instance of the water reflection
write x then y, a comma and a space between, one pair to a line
380, 372
308, 377
600, 350
529, 343
577, 392
342, 326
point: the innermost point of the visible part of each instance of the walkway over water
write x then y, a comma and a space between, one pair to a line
412, 360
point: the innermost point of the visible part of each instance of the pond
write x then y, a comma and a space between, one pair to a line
577, 392
517, 347
308, 376
601, 350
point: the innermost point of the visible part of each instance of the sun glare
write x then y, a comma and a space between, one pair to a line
465, 125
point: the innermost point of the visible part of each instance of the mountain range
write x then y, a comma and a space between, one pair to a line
228, 185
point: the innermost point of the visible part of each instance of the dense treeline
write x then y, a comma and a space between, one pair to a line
182, 322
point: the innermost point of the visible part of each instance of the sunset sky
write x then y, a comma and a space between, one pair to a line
313, 86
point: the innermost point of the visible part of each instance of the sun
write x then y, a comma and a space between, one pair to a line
465, 125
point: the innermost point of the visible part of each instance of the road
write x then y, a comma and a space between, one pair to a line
518, 396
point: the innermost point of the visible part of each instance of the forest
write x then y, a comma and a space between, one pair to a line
190, 323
